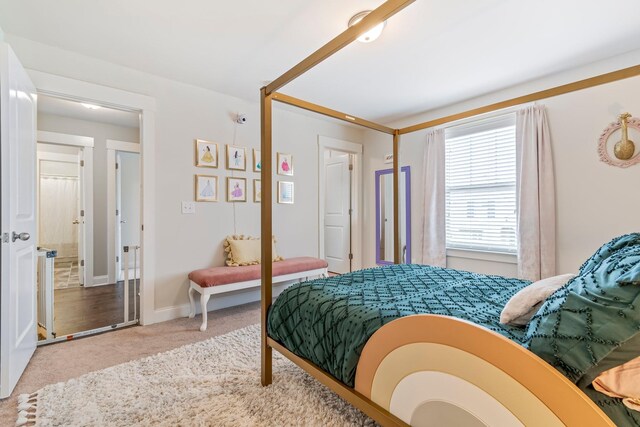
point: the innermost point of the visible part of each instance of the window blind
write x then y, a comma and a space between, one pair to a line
480, 185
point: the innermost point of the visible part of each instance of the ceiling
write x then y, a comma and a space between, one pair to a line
434, 53
66, 108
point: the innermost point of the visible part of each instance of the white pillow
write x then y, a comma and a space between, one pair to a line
523, 305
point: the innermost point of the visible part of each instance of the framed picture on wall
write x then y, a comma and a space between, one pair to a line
236, 189
257, 161
285, 192
257, 191
236, 158
285, 164
206, 154
206, 188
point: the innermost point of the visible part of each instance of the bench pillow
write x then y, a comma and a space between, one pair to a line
585, 322
245, 250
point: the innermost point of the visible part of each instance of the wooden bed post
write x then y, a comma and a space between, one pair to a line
266, 231
397, 247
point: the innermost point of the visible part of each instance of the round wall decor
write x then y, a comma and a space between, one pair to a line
623, 152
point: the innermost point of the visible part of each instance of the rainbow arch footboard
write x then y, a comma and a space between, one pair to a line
437, 370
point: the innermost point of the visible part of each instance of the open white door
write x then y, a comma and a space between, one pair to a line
119, 254
80, 218
337, 213
18, 318
124, 191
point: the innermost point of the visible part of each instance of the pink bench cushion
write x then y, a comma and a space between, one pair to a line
216, 276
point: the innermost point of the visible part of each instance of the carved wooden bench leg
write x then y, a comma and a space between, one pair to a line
192, 303
204, 299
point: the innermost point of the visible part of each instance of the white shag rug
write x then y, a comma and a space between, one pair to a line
211, 383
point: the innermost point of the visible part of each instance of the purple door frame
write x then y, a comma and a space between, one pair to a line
378, 175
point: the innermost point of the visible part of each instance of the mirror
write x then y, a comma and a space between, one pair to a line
384, 215
88, 207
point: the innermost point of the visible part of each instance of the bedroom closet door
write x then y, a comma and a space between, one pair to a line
337, 216
18, 327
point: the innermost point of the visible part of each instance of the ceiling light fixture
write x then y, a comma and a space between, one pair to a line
373, 33
91, 106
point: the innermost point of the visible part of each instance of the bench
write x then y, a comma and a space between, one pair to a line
220, 280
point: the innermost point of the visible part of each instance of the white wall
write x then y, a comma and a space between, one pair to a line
183, 113
375, 146
100, 132
188, 242
595, 202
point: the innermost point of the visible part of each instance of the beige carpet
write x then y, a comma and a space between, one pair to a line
63, 361
213, 382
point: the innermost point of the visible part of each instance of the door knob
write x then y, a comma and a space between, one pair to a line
75, 221
123, 221
22, 236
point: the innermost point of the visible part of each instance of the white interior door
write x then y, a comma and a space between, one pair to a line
337, 218
80, 219
129, 195
18, 318
118, 244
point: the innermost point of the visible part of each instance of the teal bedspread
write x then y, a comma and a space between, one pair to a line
328, 321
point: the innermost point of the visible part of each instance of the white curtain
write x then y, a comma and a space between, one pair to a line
58, 210
536, 195
433, 225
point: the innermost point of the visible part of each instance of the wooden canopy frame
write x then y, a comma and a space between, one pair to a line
269, 93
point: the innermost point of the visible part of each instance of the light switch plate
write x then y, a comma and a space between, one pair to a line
188, 207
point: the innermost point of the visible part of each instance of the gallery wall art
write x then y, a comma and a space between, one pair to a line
206, 187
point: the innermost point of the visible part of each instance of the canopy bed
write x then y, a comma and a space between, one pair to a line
391, 338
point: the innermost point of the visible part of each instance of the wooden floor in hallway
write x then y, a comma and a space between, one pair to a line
85, 308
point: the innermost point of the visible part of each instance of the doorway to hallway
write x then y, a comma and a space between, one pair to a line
340, 177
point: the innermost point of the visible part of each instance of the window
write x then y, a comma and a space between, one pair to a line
480, 185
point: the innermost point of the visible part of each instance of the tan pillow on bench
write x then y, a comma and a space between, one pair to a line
245, 250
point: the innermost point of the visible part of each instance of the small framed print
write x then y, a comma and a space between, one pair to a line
285, 164
206, 154
257, 161
206, 188
285, 192
236, 189
236, 158
257, 191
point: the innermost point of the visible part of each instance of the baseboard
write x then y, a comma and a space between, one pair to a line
217, 302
